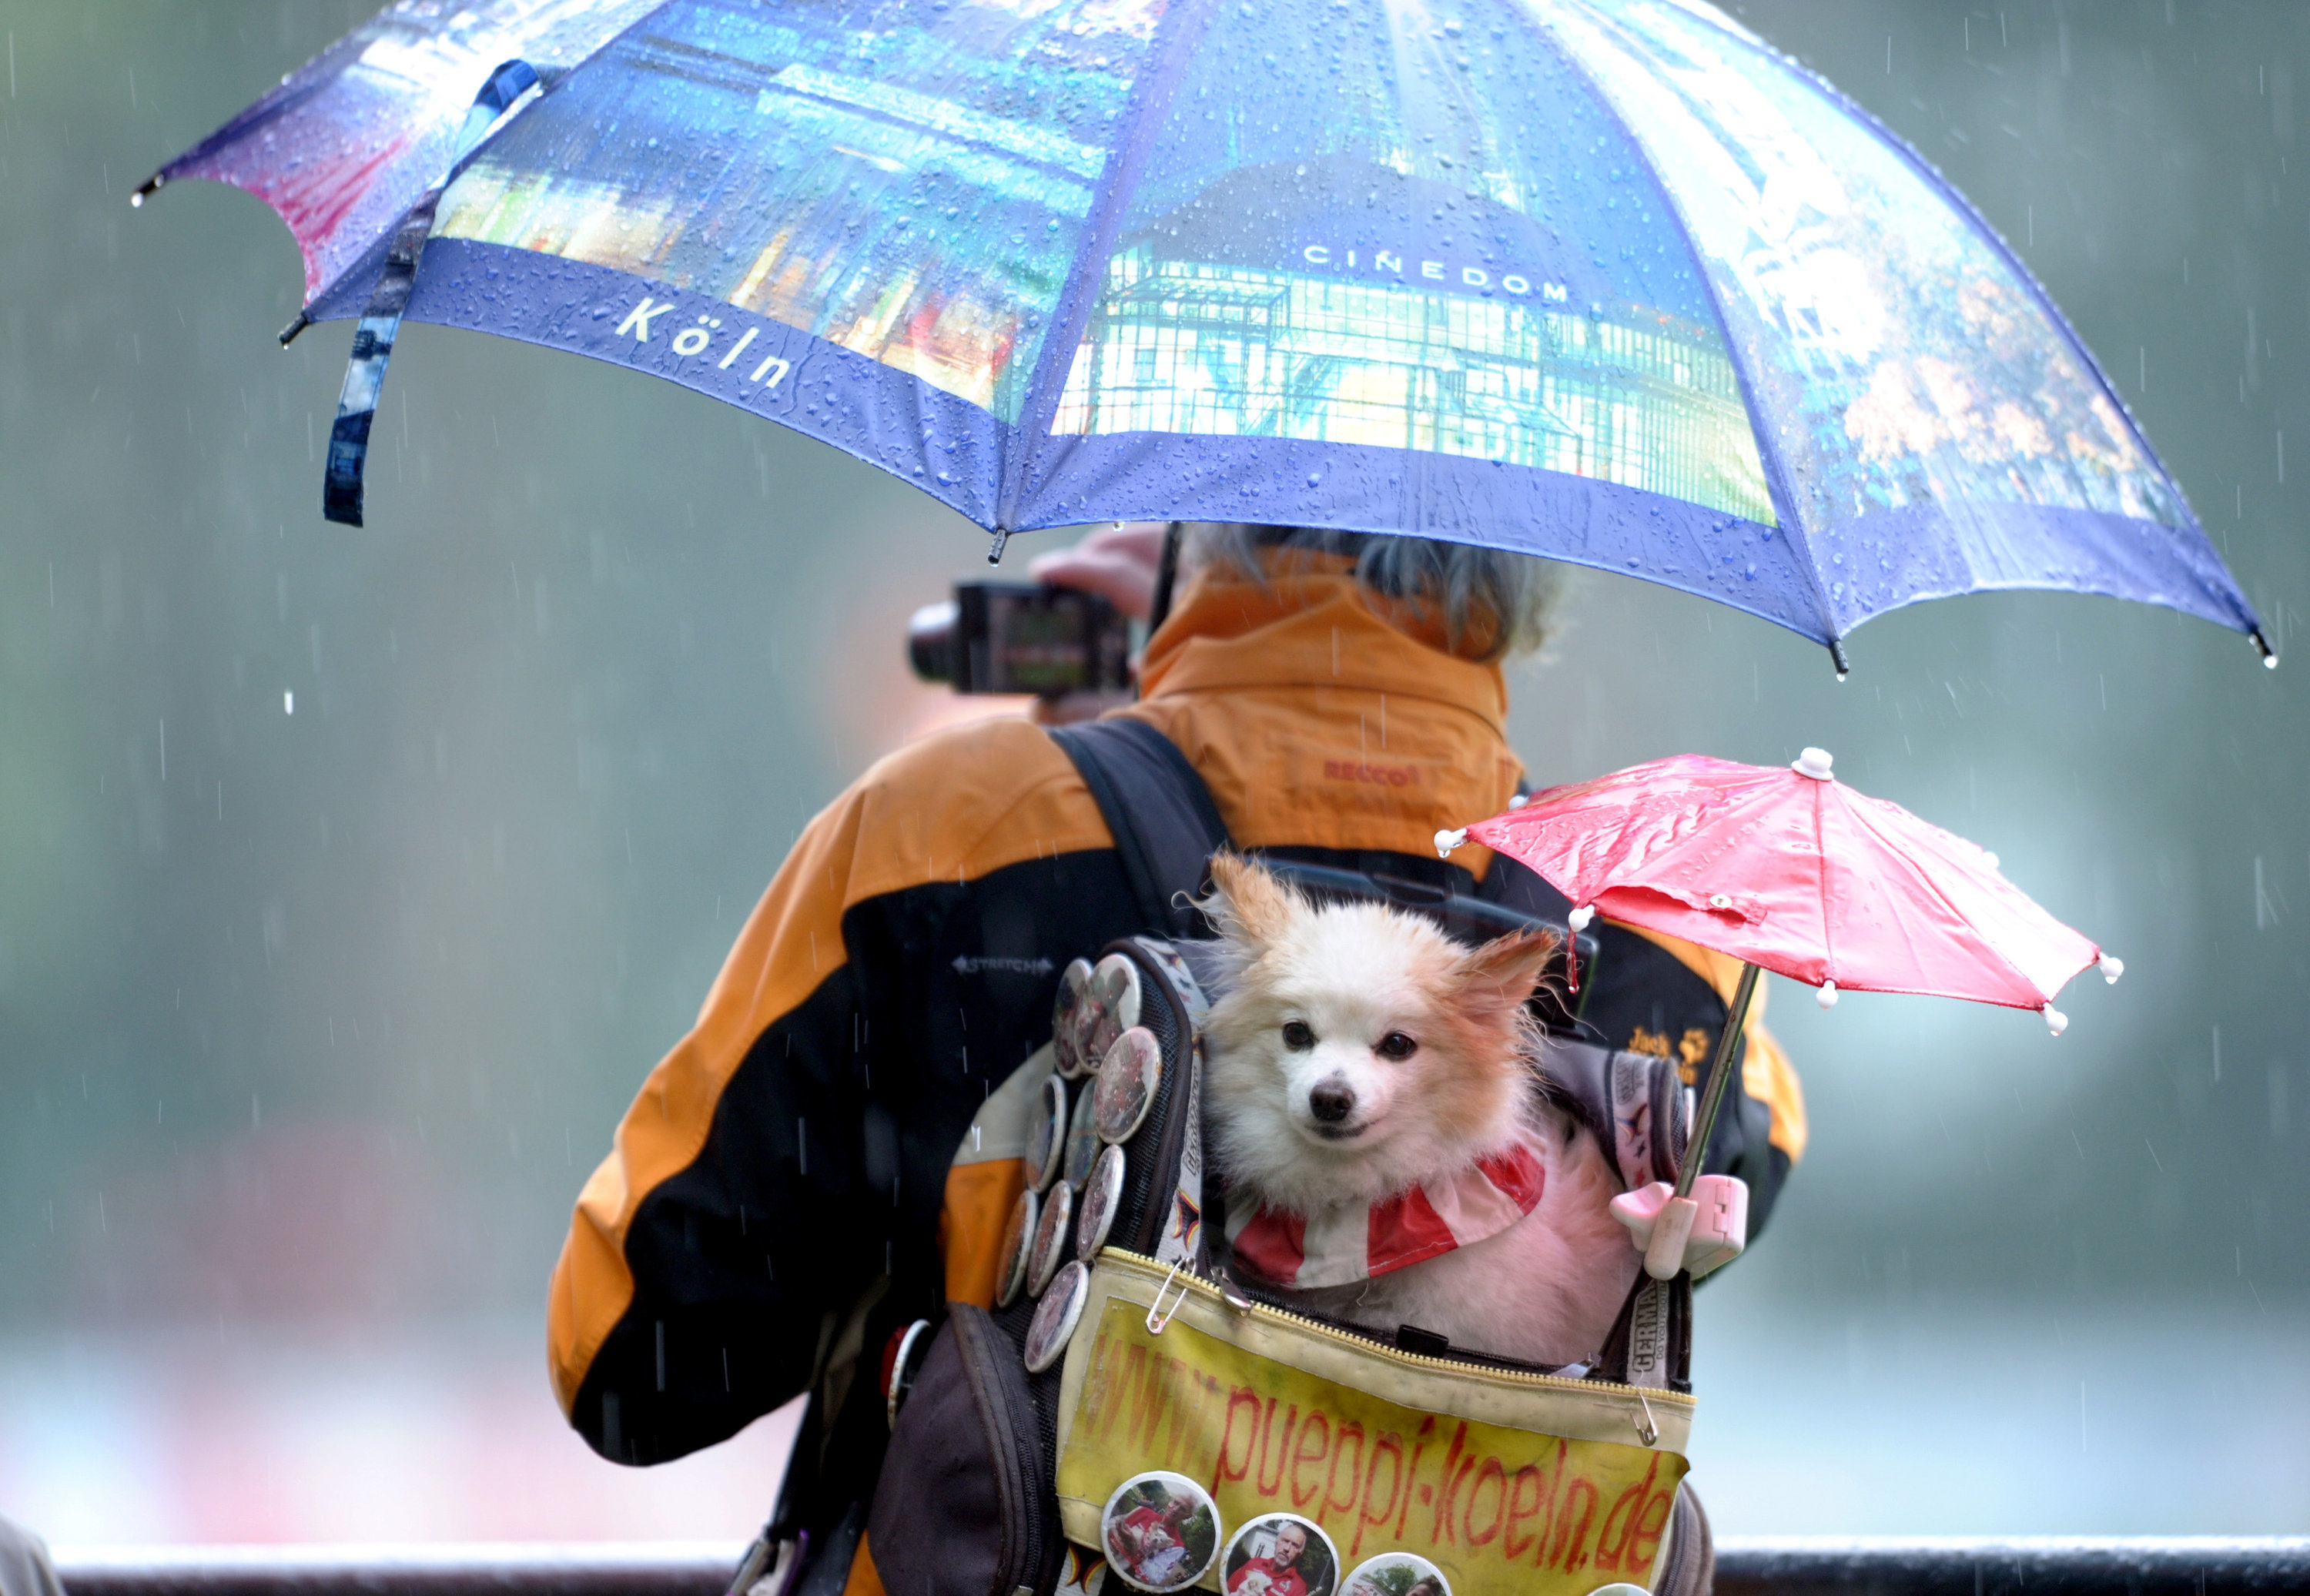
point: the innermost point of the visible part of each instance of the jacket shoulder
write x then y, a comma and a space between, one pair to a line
964, 802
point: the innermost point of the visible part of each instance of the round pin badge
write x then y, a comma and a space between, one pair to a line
1051, 1238
1160, 1532
1114, 991
1018, 1243
1091, 1022
1046, 1133
1398, 1574
1281, 1554
1066, 1017
1082, 1140
1126, 1085
901, 1362
1102, 1195
1054, 1317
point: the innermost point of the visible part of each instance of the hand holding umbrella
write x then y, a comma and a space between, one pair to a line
1788, 870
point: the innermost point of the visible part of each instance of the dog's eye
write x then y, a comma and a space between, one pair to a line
1396, 1045
1297, 1035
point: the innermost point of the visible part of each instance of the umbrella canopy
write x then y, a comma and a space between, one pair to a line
1789, 869
1606, 281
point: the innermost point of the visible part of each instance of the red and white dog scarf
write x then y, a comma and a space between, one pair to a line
1354, 1242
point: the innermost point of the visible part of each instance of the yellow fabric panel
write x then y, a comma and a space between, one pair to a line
864, 1581
951, 807
979, 1199
1513, 1487
1765, 1073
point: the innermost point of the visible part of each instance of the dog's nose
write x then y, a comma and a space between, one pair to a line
1331, 1102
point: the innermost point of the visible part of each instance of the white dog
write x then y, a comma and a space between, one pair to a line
1376, 1114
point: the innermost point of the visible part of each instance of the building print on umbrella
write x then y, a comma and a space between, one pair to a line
1641, 398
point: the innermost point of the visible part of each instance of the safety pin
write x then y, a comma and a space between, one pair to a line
1156, 1320
1647, 1432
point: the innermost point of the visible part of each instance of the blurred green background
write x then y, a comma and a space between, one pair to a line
312, 1022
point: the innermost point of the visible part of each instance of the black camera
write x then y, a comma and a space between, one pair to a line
1023, 638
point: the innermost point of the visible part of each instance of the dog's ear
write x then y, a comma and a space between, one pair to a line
1250, 904
1499, 978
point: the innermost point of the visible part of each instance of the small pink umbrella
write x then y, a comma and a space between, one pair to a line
1789, 869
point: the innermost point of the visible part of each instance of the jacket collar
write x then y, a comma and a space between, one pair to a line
1320, 719
1312, 625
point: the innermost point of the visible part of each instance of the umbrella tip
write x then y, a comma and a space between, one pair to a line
1989, 858
2055, 1020
1445, 841
2268, 654
1814, 762
994, 551
1827, 996
1836, 657
1578, 919
2112, 968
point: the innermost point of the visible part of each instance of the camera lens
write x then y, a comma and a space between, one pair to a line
930, 641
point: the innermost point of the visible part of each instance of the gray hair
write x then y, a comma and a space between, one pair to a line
1510, 597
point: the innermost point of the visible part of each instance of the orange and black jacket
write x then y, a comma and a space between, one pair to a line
785, 1192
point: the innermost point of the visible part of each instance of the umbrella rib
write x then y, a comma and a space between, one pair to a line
291, 94
1776, 475
1925, 878
1821, 852
1177, 36
1996, 243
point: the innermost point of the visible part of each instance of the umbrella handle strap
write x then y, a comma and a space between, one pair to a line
1720, 1075
381, 323
509, 85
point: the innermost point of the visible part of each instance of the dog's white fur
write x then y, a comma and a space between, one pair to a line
1545, 1290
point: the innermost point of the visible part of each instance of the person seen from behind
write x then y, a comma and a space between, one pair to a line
796, 1179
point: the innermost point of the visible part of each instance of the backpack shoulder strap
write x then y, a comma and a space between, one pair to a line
1165, 825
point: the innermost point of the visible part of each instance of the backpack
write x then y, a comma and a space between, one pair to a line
1129, 1415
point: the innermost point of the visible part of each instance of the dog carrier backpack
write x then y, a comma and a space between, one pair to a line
1131, 1414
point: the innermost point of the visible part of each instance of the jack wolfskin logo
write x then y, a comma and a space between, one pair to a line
1690, 1049
967, 964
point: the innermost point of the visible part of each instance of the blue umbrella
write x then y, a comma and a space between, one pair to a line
1606, 281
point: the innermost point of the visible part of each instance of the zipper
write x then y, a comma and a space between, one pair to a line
1148, 1269
989, 1360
